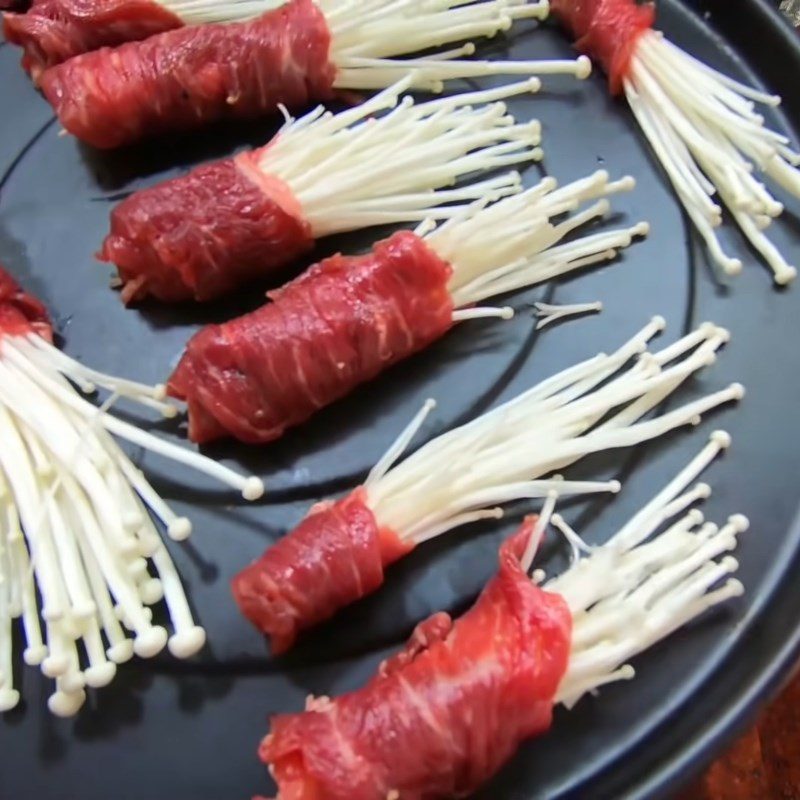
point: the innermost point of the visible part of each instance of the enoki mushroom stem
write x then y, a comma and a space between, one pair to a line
708, 136
549, 314
380, 162
76, 525
638, 588
31, 363
505, 454
367, 36
500, 247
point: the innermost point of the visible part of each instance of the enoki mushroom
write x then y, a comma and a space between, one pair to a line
512, 244
78, 544
369, 36
708, 136
355, 169
352, 170
549, 313
638, 587
593, 406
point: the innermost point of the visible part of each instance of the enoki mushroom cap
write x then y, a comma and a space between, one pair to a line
66, 704
737, 391
9, 698
151, 591
740, 522
253, 488
703, 491
121, 652
180, 529
185, 644
73, 682
34, 655
785, 276
55, 665
696, 516
100, 674
721, 438
150, 642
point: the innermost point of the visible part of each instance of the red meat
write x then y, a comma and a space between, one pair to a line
445, 714
606, 30
54, 30
334, 557
20, 312
201, 235
194, 75
336, 326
